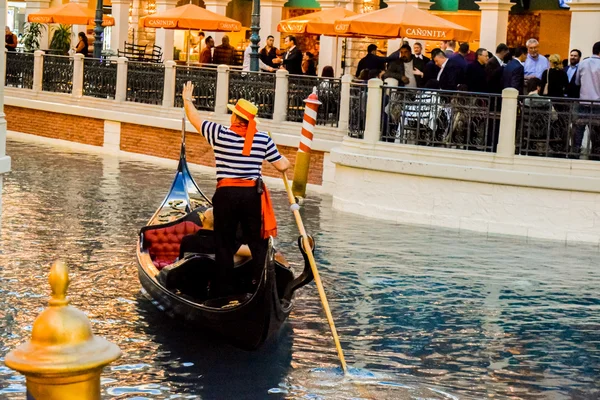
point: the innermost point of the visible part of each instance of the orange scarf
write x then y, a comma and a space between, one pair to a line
269, 223
245, 131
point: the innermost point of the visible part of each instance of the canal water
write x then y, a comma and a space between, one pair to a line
423, 313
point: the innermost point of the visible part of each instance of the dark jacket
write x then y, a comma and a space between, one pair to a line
572, 88
460, 59
513, 75
268, 57
475, 77
558, 82
493, 75
292, 61
395, 70
371, 61
424, 60
430, 71
224, 55
452, 75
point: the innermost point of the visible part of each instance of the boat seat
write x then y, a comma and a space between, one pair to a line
163, 243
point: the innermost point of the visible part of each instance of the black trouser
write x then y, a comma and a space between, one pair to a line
233, 206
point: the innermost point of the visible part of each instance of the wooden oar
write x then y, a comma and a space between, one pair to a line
311, 259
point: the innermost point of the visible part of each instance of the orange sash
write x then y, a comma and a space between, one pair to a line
269, 223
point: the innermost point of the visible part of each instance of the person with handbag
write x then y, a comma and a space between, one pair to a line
554, 80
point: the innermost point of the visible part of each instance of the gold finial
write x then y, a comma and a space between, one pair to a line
59, 282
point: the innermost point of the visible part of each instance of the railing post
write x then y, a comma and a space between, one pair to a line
169, 89
222, 96
345, 102
38, 70
281, 95
373, 115
3, 70
121, 91
508, 123
77, 89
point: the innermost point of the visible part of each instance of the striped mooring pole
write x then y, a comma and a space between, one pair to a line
303, 155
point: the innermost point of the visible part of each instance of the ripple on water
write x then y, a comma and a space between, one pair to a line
422, 313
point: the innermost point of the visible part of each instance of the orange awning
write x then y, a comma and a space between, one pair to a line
317, 23
402, 21
190, 16
69, 14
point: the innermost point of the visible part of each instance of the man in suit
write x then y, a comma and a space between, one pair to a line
418, 53
513, 75
407, 70
451, 72
371, 61
572, 88
494, 68
430, 71
460, 55
476, 81
292, 59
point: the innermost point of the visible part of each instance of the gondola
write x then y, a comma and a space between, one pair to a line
180, 288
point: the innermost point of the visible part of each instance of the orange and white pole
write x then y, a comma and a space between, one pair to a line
309, 121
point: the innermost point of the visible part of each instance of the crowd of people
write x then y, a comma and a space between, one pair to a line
270, 57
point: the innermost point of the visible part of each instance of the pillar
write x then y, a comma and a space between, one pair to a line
33, 7
345, 103
169, 89
120, 32
270, 15
219, 7
222, 96
585, 26
508, 123
373, 116
494, 22
164, 37
281, 95
330, 52
121, 91
394, 44
77, 89
38, 70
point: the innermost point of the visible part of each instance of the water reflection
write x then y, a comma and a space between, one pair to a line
422, 313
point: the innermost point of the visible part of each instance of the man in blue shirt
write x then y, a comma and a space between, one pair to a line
588, 113
536, 64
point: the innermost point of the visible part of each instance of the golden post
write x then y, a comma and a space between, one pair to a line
303, 156
63, 360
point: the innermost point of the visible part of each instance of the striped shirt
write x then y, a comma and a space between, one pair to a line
228, 147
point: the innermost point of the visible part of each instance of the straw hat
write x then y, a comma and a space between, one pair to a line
244, 109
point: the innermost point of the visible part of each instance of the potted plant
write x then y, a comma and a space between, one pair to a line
32, 36
61, 39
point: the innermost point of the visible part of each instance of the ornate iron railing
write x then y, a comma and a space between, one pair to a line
557, 127
145, 82
328, 90
58, 74
462, 120
205, 86
358, 110
19, 70
257, 87
99, 78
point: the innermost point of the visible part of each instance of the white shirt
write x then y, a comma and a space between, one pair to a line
246, 65
442, 69
571, 71
410, 74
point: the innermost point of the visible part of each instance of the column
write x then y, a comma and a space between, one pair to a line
281, 96
36, 6
164, 37
345, 103
394, 44
494, 22
270, 15
169, 88
585, 26
373, 115
222, 96
38, 70
75, 29
120, 32
330, 52
219, 7
508, 123
121, 90
77, 89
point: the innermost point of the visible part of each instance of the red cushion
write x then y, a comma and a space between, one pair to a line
163, 243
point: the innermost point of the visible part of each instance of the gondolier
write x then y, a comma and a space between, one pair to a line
241, 197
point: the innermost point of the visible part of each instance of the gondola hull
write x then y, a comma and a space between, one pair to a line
246, 326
